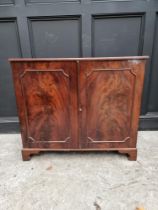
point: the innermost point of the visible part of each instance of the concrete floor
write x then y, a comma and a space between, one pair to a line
79, 181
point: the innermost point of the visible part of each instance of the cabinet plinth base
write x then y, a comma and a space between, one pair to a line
27, 153
132, 154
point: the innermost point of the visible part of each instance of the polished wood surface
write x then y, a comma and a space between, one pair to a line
81, 104
45, 100
81, 59
107, 93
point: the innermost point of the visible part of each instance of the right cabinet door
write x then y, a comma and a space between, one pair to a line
109, 100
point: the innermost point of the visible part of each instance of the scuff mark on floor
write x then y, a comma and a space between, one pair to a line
97, 206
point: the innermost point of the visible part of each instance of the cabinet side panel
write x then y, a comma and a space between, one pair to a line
139, 70
17, 69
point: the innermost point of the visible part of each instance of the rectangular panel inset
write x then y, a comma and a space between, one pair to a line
115, 0
153, 98
9, 45
48, 1
4, 2
120, 35
55, 37
48, 102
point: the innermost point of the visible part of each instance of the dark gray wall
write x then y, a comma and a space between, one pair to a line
78, 28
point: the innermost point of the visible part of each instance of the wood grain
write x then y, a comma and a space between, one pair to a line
108, 113
110, 98
47, 99
47, 92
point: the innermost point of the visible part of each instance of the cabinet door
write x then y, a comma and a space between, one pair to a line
110, 93
47, 103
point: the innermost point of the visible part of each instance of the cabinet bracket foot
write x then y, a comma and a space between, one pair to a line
26, 154
132, 154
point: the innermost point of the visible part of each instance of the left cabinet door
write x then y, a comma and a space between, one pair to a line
46, 94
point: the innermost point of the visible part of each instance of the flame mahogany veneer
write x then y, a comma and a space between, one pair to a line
79, 104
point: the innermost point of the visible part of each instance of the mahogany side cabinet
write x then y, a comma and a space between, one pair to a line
79, 104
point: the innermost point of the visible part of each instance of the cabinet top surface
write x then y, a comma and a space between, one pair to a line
82, 59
